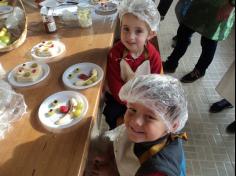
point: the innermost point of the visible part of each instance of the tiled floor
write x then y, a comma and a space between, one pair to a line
210, 151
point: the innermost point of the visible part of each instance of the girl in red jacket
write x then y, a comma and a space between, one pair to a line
133, 55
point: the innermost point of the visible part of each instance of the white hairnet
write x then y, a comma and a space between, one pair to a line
145, 10
163, 94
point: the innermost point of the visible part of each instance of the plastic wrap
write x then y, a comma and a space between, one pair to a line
2, 72
15, 19
12, 107
163, 94
145, 10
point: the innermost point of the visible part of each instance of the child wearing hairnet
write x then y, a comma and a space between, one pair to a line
149, 143
133, 55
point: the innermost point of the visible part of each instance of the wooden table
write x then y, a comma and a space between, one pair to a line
30, 150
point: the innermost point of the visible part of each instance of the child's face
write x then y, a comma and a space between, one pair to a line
134, 33
142, 124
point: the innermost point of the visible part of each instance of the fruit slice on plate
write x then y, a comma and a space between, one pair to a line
87, 80
74, 110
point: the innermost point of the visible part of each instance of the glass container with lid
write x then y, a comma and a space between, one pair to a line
84, 15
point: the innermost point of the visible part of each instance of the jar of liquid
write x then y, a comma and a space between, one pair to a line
84, 15
49, 24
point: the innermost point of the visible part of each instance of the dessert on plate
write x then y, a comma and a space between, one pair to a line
82, 75
70, 110
47, 49
28, 72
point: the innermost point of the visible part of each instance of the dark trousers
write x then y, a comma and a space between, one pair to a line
184, 35
164, 6
113, 110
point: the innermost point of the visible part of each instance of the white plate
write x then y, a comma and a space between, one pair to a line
13, 82
5, 9
62, 98
110, 7
49, 58
85, 68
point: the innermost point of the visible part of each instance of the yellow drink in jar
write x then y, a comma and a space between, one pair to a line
84, 15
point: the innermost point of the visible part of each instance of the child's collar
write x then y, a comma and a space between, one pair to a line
126, 53
146, 150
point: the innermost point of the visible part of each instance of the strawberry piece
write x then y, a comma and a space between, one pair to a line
64, 109
83, 76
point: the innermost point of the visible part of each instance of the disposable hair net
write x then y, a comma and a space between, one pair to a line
145, 10
163, 94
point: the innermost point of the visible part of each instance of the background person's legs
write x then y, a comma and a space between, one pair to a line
207, 55
184, 35
208, 51
163, 7
220, 106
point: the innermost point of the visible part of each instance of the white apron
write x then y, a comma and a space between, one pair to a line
127, 73
126, 161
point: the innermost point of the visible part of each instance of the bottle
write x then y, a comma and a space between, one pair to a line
49, 24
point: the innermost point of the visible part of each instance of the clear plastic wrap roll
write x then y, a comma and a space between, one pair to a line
12, 107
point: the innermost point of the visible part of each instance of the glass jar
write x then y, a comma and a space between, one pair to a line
84, 15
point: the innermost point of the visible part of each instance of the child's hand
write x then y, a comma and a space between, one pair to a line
102, 166
224, 12
101, 160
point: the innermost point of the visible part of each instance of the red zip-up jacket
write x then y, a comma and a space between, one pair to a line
113, 66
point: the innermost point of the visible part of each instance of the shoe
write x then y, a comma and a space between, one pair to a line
220, 105
231, 128
192, 76
162, 18
168, 67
